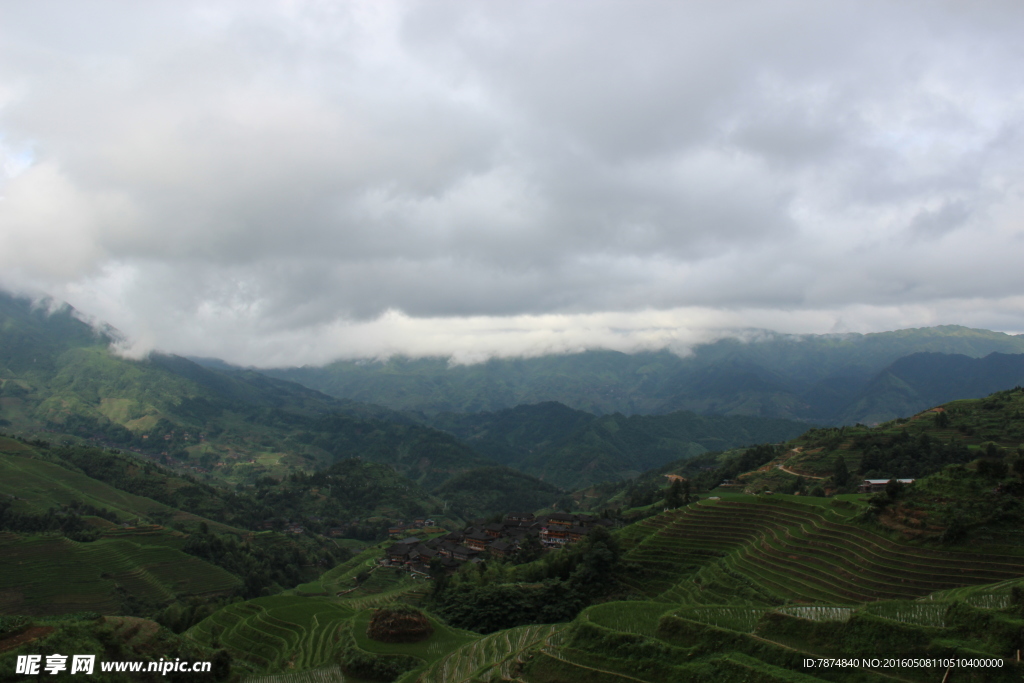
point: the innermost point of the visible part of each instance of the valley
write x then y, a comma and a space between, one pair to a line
689, 522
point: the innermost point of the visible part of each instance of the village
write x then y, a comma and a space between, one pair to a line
516, 532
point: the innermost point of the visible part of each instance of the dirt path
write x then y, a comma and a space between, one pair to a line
798, 474
797, 451
27, 636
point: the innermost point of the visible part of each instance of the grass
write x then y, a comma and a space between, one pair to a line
53, 575
37, 485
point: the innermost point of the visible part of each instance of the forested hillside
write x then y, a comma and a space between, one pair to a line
58, 376
823, 378
574, 449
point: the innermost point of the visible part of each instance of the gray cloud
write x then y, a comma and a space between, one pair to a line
299, 176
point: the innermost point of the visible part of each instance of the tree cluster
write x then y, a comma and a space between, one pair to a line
264, 569
906, 457
549, 590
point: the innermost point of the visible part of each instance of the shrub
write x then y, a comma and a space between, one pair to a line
399, 625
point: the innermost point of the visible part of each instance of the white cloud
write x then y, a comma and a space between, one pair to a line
283, 182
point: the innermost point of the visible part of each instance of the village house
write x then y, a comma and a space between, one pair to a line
399, 528
464, 554
500, 548
499, 540
447, 548
560, 519
477, 540
520, 517
398, 553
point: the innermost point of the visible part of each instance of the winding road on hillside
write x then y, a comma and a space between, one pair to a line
798, 474
796, 451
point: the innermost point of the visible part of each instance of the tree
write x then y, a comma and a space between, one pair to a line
675, 497
529, 549
221, 668
840, 475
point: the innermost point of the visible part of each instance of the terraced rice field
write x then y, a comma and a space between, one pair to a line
327, 675
742, 619
493, 657
53, 575
385, 586
712, 553
342, 577
275, 633
918, 613
40, 485
631, 617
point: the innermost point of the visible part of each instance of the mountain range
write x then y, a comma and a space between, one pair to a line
827, 379
236, 517
59, 375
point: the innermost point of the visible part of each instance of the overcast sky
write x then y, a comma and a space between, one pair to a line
293, 182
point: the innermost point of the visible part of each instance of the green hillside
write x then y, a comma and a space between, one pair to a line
54, 575
922, 380
61, 381
739, 588
574, 449
58, 375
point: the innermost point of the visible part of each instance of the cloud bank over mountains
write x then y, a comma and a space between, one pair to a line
290, 182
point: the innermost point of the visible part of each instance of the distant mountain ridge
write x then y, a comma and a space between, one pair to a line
818, 378
575, 449
924, 380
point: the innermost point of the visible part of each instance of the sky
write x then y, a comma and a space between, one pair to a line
288, 183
